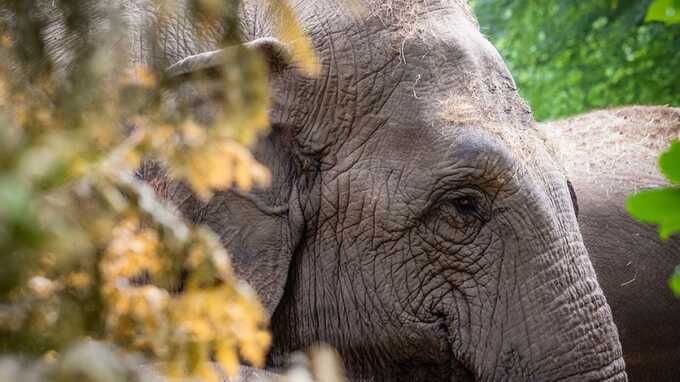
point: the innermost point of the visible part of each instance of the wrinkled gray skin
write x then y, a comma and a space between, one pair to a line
417, 221
609, 155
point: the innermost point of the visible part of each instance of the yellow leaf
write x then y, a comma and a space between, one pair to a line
6, 40
227, 358
255, 348
288, 30
78, 280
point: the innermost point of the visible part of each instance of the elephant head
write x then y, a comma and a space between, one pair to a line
417, 220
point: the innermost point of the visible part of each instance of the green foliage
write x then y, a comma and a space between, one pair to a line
573, 56
662, 206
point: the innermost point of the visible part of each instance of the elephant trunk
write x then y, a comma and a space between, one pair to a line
550, 320
562, 319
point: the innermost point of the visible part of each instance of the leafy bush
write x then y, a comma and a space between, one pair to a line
570, 57
89, 255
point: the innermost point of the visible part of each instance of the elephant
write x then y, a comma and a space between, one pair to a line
417, 220
609, 155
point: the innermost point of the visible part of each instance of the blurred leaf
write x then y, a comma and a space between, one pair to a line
288, 30
15, 199
667, 11
660, 206
669, 163
92, 362
674, 282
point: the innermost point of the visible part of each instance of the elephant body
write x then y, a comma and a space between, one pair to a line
417, 220
609, 155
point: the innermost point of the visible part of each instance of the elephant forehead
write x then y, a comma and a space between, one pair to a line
387, 23
472, 148
484, 152
453, 75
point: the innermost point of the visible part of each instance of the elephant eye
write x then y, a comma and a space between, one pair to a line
466, 205
460, 215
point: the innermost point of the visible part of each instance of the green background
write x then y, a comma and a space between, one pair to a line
572, 56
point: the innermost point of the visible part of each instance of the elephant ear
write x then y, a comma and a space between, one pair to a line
274, 51
257, 227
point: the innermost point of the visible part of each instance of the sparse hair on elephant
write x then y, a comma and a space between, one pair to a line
405, 14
